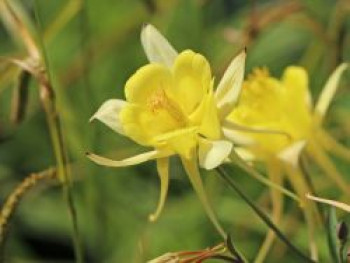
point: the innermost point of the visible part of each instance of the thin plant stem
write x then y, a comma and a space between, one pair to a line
236, 159
48, 101
275, 174
221, 171
13, 200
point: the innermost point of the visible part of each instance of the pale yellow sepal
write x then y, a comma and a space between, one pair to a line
230, 85
108, 114
245, 154
213, 153
329, 90
157, 47
137, 159
238, 137
291, 153
163, 172
241, 134
192, 171
334, 203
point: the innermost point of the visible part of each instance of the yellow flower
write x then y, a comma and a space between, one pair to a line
284, 107
171, 106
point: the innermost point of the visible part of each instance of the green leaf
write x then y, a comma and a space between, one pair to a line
345, 252
332, 235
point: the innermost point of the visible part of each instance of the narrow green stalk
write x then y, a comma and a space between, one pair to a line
48, 101
236, 159
262, 215
59, 151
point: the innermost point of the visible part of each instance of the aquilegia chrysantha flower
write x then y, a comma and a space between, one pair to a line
285, 105
171, 106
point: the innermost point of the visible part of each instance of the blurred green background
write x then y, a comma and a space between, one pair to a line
93, 47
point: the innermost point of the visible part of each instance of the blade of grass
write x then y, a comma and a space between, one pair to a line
332, 235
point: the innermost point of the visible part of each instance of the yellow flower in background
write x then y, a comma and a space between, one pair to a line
272, 104
171, 106
285, 105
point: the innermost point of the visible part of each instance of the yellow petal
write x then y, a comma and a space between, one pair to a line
193, 79
157, 47
108, 114
146, 82
329, 90
192, 171
181, 141
296, 82
213, 153
142, 125
334, 203
230, 85
137, 159
163, 172
210, 125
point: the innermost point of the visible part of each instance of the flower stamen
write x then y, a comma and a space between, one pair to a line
160, 101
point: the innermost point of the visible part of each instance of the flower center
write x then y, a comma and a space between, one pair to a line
160, 101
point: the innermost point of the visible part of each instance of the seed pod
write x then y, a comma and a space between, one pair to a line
20, 98
343, 232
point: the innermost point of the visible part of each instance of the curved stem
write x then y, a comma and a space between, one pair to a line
47, 97
13, 200
228, 180
236, 159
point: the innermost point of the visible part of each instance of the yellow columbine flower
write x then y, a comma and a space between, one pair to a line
171, 106
285, 105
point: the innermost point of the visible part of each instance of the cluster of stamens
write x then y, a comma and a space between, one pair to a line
160, 101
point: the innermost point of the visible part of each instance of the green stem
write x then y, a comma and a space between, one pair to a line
262, 215
236, 159
48, 101
63, 175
